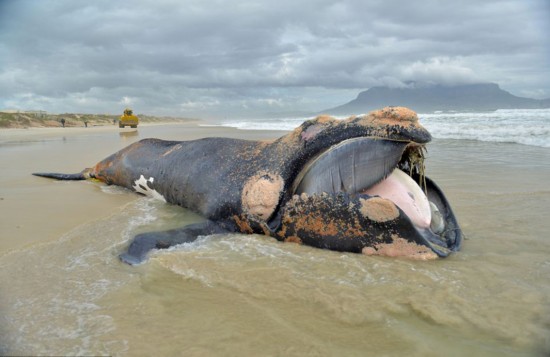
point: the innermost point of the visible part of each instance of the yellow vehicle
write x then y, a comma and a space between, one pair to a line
128, 119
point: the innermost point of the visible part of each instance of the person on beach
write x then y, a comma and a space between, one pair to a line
85, 123
63, 122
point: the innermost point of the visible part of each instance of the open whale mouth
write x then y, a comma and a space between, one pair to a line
392, 170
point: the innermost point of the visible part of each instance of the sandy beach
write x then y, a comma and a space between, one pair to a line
63, 290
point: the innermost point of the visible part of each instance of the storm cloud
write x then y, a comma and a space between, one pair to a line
220, 58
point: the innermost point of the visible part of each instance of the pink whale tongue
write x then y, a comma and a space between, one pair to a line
401, 189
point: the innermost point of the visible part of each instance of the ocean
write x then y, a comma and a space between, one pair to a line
63, 290
522, 126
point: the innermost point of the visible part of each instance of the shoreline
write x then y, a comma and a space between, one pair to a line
34, 131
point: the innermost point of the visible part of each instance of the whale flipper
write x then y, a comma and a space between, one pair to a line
145, 242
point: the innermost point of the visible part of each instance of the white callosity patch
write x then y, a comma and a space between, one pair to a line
261, 194
141, 185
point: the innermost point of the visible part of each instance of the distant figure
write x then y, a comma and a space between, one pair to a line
63, 122
86, 123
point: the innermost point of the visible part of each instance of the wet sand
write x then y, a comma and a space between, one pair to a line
63, 290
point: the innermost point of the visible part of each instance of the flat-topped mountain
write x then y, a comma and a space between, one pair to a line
469, 97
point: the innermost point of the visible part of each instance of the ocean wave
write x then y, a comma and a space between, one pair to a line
521, 126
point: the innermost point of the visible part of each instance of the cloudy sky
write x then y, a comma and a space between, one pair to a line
214, 58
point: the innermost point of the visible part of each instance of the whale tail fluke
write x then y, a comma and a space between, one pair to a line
65, 177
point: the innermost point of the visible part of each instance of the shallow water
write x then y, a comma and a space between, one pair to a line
250, 295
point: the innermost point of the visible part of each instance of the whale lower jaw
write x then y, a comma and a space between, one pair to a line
370, 167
